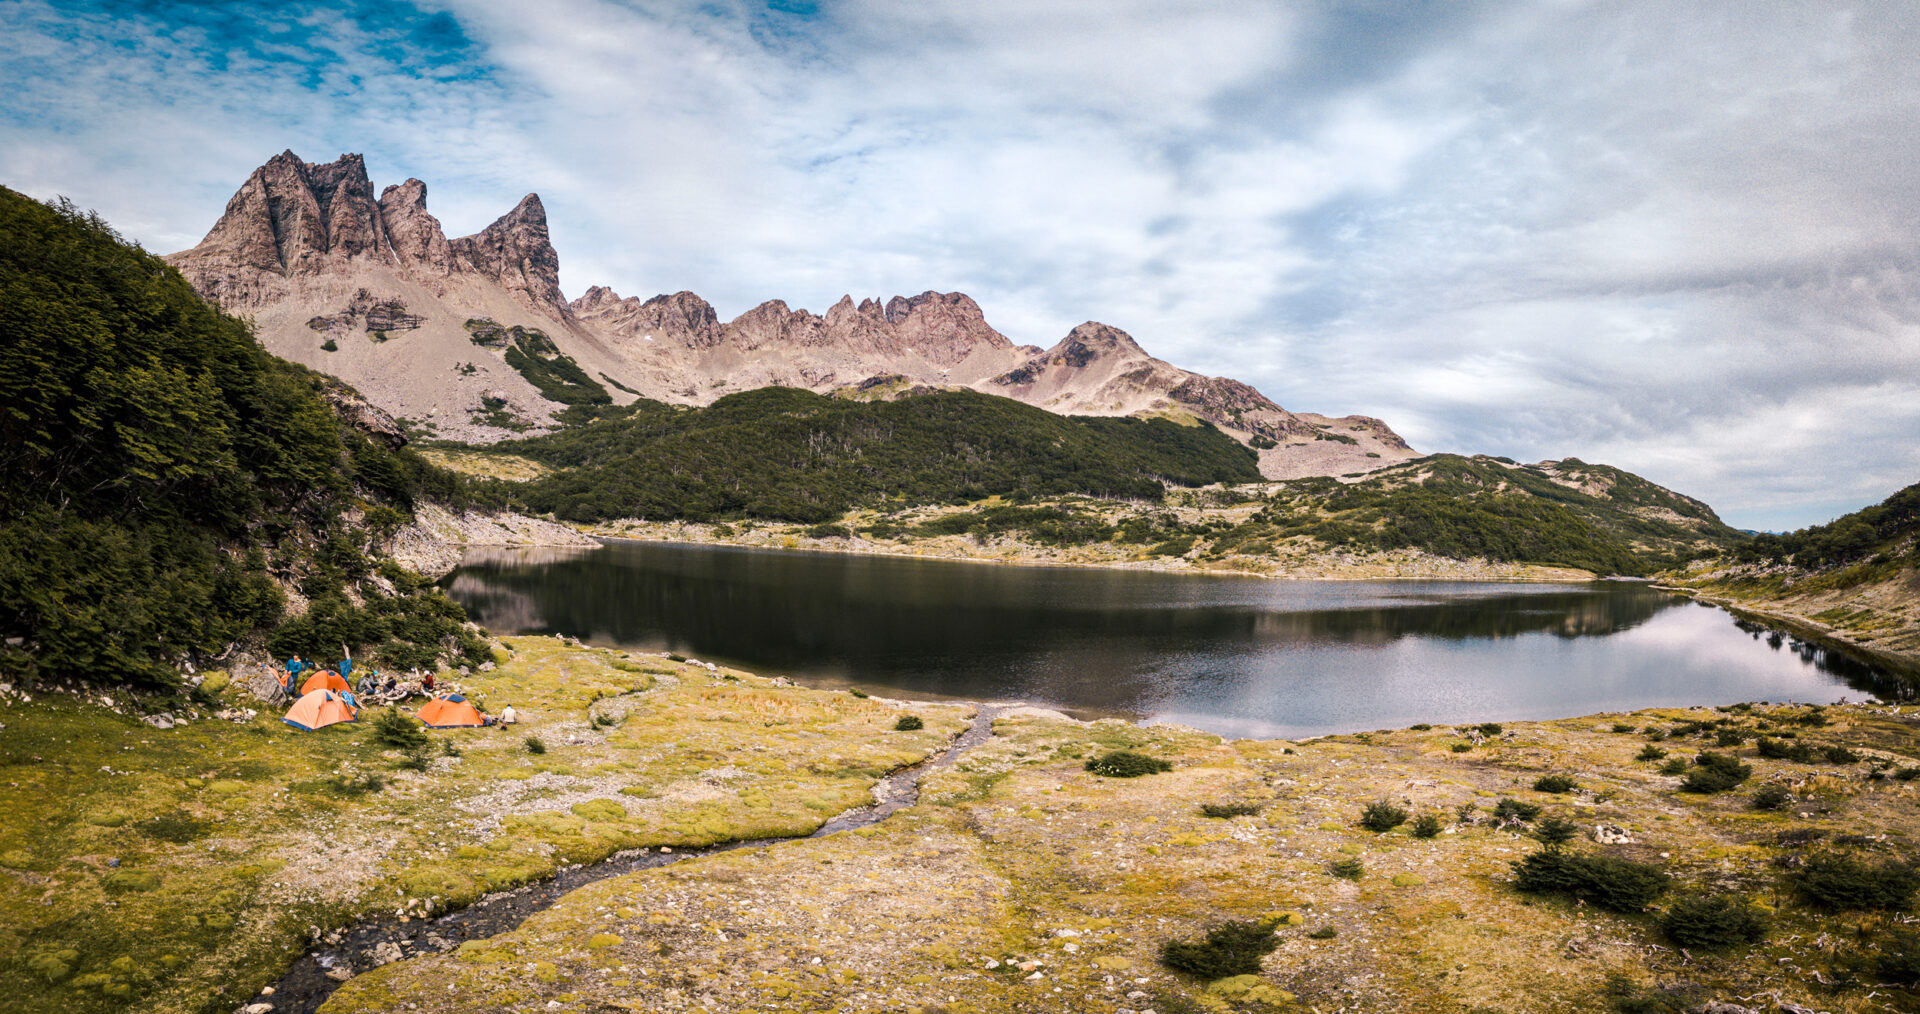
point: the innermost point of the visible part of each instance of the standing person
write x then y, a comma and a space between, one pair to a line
294, 668
346, 669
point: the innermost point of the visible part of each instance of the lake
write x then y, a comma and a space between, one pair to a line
1238, 656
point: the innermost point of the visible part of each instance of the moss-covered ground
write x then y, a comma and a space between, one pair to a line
1022, 882
181, 870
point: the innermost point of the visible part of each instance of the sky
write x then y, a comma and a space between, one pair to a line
1675, 238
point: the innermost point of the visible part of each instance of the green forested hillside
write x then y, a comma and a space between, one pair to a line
1888, 529
158, 471
792, 455
1567, 513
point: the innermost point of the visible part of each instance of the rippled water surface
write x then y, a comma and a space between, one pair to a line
1238, 656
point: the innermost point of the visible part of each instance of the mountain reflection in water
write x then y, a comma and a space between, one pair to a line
1239, 656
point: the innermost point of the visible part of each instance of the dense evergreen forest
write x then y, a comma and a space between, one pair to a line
162, 477
791, 455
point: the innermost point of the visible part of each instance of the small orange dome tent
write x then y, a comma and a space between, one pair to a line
318, 710
328, 680
451, 713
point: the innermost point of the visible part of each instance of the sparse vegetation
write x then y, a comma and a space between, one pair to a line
908, 723
1712, 923
1715, 772
1224, 810
1350, 868
1426, 826
1381, 816
1127, 764
1837, 880
1230, 948
534, 745
1555, 784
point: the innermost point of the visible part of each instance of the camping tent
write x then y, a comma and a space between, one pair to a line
318, 710
452, 713
328, 680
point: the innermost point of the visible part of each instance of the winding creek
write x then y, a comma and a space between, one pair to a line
307, 984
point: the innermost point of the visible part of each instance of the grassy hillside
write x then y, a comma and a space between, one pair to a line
791, 455
1855, 579
164, 481
1566, 513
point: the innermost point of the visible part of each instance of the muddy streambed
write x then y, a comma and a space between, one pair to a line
375, 942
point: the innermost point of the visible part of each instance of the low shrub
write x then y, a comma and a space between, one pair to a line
417, 758
1623, 727
1775, 749
1654, 733
1461, 747
1840, 755
1555, 832
1513, 809
859, 693
1420, 727
1555, 784
1347, 869
1675, 766
1836, 880
1381, 816
1650, 753
1729, 738
1230, 948
1715, 772
1489, 728
1427, 826
1323, 933
1223, 810
535, 746
909, 723
1127, 764
393, 727
1618, 884
1626, 997
1772, 797
829, 531
1898, 960
1713, 923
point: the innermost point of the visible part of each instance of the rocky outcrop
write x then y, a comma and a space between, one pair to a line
362, 415
293, 219
516, 252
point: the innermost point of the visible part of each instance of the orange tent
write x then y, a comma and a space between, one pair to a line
452, 713
318, 710
328, 680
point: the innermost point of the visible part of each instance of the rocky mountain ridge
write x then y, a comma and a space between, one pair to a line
373, 291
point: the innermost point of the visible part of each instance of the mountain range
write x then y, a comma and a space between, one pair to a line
471, 338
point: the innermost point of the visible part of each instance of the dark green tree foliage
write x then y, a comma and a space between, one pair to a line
1618, 884
1713, 923
1857, 536
1837, 880
1127, 764
151, 453
797, 456
1381, 816
1230, 948
1715, 772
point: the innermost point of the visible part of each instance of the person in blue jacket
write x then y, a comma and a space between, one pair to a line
346, 670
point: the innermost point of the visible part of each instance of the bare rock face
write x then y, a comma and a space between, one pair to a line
416, 236
682, 319
363, 416
292, 220
945, 327
516, 252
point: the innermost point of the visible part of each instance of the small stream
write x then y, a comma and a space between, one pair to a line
307, 985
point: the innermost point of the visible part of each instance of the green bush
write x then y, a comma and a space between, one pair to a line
418, 758
1323, 933
1772, 797
1676, 766
1489, 728
1555, 784
534, 745
1836, 880
1127, 764
1224, 810
394, 728
908, 723
1427, 826
1513, 809
1461, 747
1713, 923
1715, 772
1840, 755
1898, 958
1381, 816
1555, 832
1349, 868
1230, 948
1618, 884
829, 531
1650, 753
1623, 727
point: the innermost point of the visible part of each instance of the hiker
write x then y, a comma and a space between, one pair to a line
426, 683
295, 667
507, 717
346, 669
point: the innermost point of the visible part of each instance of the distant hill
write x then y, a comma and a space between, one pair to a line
167, 487
1566, 513
793, 455
1855, 579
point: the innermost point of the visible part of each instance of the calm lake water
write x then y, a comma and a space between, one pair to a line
1236, 656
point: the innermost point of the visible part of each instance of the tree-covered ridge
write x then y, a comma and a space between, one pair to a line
1890, 529
1566, 513
792, 455
162, 477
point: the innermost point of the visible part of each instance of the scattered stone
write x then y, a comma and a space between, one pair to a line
340, 973
256, 1008
1610, 834
162, 720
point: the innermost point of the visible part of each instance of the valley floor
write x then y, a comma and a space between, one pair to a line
181, 870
